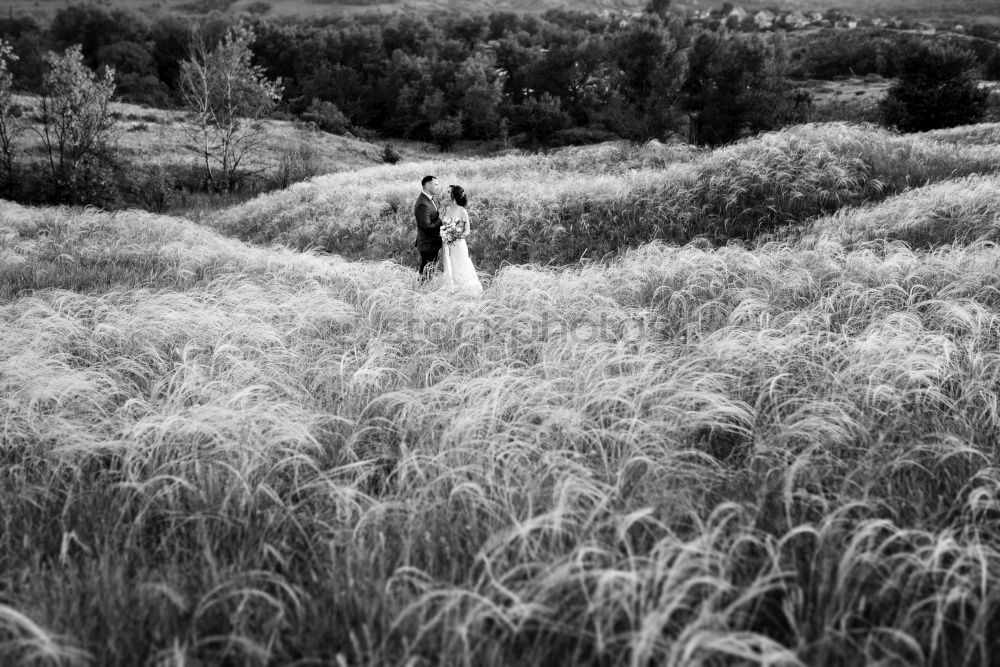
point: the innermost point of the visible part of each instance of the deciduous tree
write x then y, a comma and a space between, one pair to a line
937, 87
77, 127
229, 98
11, 123
736, 86
652, 66
481, 94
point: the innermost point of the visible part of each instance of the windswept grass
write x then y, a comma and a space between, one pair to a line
782, 455
588, 203
94, 251
955, 211
982, 134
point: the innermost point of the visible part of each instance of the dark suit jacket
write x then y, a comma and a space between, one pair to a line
428, 224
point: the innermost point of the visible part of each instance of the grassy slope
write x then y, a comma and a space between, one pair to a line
591, 201
783, 455
156, 135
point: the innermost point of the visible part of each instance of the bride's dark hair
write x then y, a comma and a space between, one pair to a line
458, 194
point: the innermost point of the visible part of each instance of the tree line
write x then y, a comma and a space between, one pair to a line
226, 96
562, 77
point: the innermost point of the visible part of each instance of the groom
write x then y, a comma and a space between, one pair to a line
428, 224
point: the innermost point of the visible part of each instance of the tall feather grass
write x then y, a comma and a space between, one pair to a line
588, 203
215, 453
959, 210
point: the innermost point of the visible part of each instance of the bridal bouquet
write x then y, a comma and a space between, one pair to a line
452, 230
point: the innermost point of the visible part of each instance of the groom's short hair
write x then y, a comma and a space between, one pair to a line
426, 180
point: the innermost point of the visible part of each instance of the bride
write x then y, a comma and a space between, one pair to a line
458, 269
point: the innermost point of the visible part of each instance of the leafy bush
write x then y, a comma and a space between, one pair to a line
11, 114
78, 128
831, 53
446, 132
737, 86
390, 154
153, 188
937, 87
327, 117
538, 118
991, 70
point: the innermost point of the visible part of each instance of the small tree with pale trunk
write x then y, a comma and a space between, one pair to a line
11, 118
229, 98
77, 128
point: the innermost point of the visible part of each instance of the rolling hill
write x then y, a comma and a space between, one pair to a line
589, 201
776, 451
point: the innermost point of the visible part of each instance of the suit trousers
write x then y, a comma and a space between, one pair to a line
427, 257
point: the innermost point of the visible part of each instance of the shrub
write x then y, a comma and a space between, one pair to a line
77, 128
539, 118
327, 117
831, 53
390, 155
937, 87
446, 132
991, 70
153, 188
11, 114
737, 86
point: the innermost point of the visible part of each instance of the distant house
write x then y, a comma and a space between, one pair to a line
795, 20
731, 11
723, 11
764, 19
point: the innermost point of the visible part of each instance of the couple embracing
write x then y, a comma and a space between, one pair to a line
443, 232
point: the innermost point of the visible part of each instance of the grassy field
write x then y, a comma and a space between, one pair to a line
144, 134
587, 202
778, 452
146, 137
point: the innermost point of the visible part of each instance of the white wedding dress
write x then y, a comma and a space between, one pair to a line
459, 273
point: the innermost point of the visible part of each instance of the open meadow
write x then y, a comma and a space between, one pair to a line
152, 143
756, 424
